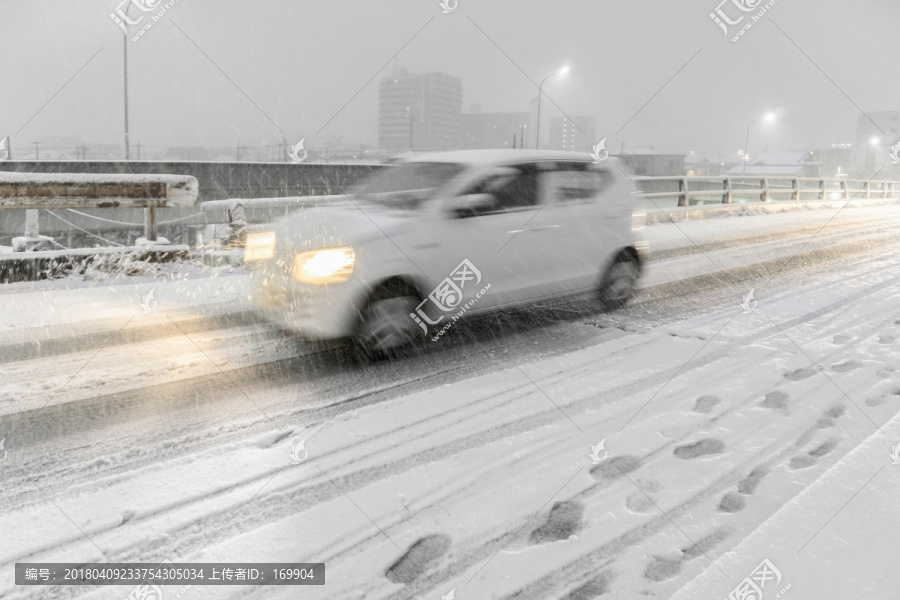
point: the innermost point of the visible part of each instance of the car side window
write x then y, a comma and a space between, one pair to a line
570, 184
511, 192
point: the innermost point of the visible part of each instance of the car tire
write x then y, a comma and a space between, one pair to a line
619, 283
385, 328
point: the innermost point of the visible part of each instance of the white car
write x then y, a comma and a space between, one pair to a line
449, 234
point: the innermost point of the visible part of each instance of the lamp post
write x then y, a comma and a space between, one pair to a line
125, 78
768, 118
537, 130
410, 116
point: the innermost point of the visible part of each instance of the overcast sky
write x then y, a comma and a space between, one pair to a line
311, 68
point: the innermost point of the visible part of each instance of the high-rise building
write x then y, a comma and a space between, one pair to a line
575, 134
419, 112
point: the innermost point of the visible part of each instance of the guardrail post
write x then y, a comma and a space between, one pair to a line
727, 196
868, 189
891, 187
150, 223
795, 185
844, 190
684, 197
32, 228
822, 193
764, 197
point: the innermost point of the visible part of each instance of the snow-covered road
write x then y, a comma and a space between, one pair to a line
168, 435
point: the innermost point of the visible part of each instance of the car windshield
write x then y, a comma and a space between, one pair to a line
407, 185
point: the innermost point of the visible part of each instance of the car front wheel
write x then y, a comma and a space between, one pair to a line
385, 326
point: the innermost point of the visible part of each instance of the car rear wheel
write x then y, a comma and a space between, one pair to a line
619, 283
385, 327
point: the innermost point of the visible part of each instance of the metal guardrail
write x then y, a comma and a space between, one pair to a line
691, 191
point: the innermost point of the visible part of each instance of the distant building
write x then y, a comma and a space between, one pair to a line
576, 134
702, 166
419, 112
786, 164
495, 130
654, 164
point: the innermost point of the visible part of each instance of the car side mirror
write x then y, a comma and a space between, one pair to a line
471, 204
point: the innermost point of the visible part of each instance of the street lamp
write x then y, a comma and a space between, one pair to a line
768, 118
537, 130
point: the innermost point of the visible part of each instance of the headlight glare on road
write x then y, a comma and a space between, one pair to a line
331, 265
259, 246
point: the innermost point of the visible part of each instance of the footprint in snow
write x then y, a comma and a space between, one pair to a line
824, 448
748, 484
563, 521
705, 404
841, 339
418, 559
639, 503
802, 462
886, 371
616, 467
702, 448
879, 400
662, 568
829, 419
775, 400
595, 587
732, 502
798, 374
886, 339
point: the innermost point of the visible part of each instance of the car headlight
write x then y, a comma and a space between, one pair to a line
259, 246
331, 265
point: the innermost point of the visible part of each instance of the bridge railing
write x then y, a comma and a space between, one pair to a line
693, 191
47, 191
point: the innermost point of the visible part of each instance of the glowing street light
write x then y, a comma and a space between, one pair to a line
768, 118
537, 131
